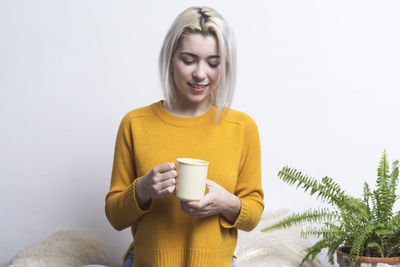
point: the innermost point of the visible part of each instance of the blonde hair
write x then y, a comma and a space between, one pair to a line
206, 21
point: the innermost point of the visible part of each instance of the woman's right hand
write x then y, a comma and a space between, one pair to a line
158, 182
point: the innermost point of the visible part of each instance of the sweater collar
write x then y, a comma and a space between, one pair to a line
164, 115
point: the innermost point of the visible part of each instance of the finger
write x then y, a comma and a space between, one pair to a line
167, 175
193, 212
161, 177
207, 199
187, 209
197, 205
166, 183
165, 167
167, 191
211, 183
161, 185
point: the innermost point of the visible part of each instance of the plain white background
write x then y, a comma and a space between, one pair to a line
321, 79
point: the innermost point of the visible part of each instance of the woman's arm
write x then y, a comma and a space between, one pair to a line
129, 197
248, 187
216, 201
158, 182
122, 209
244, 208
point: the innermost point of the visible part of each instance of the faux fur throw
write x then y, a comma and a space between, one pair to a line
283, 248
70, 248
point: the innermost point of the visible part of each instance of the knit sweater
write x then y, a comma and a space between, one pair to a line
163, 234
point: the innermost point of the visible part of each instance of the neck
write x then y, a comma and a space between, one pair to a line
186, 108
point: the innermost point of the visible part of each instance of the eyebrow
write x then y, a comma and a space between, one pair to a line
194, 55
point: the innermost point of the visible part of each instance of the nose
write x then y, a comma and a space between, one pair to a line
199, 73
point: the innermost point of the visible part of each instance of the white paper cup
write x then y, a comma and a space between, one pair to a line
191, 179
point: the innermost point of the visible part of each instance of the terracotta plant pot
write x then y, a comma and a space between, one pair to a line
344, 261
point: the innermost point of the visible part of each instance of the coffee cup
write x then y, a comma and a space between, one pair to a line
191, 179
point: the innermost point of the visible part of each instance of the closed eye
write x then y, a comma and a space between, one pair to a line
187, 62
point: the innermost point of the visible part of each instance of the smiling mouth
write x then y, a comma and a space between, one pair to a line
198, 87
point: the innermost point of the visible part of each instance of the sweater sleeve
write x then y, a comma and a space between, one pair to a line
122, 209
248, 188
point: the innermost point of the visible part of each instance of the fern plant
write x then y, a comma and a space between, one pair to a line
365, 226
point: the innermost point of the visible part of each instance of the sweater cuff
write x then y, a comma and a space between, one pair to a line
240, 220
132, 201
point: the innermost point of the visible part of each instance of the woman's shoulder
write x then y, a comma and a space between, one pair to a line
141, 112
246, 123
239, 117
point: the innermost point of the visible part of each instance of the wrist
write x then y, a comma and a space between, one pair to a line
141, 198
233, 209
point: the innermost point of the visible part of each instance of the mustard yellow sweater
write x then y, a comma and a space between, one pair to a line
164, 236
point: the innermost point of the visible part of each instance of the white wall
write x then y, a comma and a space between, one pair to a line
321, 78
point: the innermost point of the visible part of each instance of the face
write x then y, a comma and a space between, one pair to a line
196, 68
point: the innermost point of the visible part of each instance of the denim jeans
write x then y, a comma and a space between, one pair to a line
129, 260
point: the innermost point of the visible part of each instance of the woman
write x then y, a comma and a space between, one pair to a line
197, 67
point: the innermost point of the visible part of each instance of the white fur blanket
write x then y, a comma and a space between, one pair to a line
72, 248
69, 248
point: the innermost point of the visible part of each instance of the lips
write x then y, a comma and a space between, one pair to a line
197, 87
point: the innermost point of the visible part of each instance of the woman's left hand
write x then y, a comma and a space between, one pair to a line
216, 201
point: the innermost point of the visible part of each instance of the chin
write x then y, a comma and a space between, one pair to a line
196, 99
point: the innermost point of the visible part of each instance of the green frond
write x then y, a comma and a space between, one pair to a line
384, 232
392, 249
367, 195
358, 244
311, 232
327, 191
291, 176
333, 246
355, 206
327, 231
309, 216
314, 250
332, 235
377, 246
393, 181
394, 223
375, 208
383, 193
383, 169
394, 176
